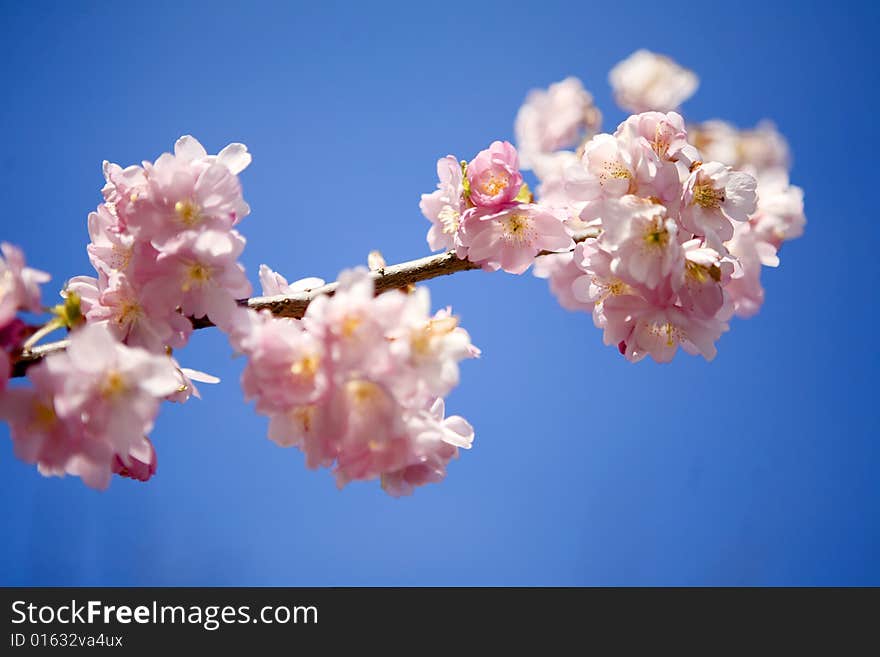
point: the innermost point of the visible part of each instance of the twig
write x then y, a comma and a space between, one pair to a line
392, 277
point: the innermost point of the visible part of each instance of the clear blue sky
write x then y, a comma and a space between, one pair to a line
759, 468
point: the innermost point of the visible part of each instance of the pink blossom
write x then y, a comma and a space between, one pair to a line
444, 206
663, 134
640, 329
57, 445
180, 196
780, 213
714, 197
19, 284
647, 81
555, 118
135, 318
644, 241
436, 440
113, 389
511, 238
426, 350
199, 272
493, 176
355, 384
286, 365
744, 289
111, 249
706, 274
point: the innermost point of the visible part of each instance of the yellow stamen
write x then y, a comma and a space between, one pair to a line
707, 196
188, 212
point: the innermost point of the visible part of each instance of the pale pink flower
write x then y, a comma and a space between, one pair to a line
138, 319
444, 206
608, 170
435, 440
663, 132
597, 281
555, 118
199, 272
182, 196
714, 197
19, 284
111, 249
640, 328
511, 238
353, 322
644, 241
426, 350
706, 274
274, 284
286, 365
744, 289
58, 446
493, 176
113, 388
647, 81
780, 213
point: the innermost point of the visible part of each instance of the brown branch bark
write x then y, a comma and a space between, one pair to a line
391, 277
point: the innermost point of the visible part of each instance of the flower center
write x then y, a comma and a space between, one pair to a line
350, 324
196, 275
128, 312
114, 385
420, 339
188, 212
701, 273
517, 228
707, 196
668, 331
449, 219
656, 235
494, 184
44, 417
306, 367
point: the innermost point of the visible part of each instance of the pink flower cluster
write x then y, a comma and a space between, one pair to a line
684, 219
165, 249
89, 409
484, 212
358, 383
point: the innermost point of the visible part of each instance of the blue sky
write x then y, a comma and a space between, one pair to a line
758, 468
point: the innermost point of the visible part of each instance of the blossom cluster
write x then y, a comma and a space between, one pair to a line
359, 382
678, 220
484, 212
660, 230
165, 249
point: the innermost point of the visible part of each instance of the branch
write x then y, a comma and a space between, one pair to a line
392, 277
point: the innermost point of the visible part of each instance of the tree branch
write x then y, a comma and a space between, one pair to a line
392, 277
